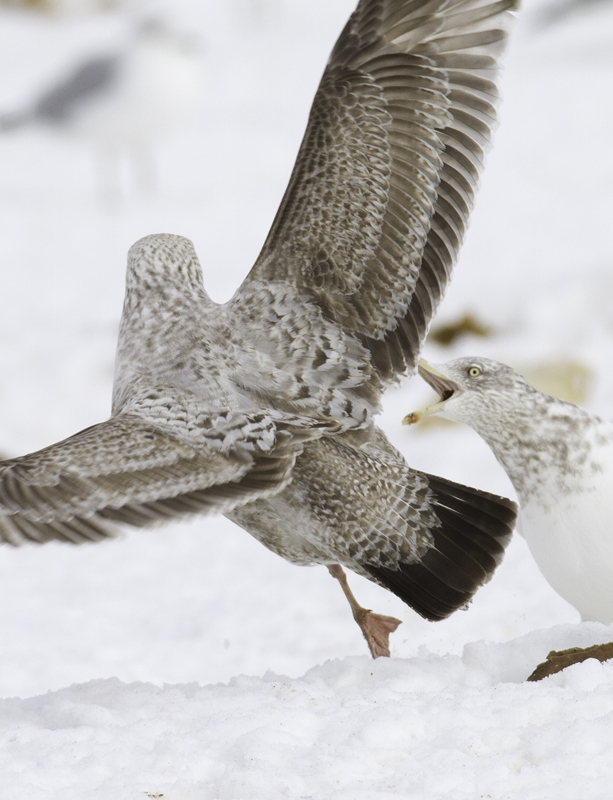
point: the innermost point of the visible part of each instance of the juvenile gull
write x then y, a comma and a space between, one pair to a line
262, 408
559, 458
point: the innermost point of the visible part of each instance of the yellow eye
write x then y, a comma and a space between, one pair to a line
474, 371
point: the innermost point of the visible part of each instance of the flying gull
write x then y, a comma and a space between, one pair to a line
123, 100
262, 408
559, 458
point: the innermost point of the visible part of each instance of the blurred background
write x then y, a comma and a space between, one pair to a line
119, 119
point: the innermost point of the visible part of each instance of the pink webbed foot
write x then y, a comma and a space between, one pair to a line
376, 628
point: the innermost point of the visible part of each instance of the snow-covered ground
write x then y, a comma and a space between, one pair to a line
190, 663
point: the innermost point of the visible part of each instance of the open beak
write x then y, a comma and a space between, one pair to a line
444, 386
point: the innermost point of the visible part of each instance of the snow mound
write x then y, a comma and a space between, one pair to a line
430, 726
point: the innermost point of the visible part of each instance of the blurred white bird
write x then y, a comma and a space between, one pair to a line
123, 102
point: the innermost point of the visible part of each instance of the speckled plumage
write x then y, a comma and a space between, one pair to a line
262, 408
559, 458
430, 541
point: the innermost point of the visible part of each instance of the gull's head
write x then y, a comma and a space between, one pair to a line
156, 32
475, 391
163, 260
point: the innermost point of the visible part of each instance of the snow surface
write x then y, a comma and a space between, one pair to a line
190, 663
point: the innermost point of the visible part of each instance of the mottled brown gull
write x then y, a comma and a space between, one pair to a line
262, 408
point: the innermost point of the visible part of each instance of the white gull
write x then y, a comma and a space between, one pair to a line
559, 458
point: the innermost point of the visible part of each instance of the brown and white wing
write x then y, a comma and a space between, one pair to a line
374, 214
133, 470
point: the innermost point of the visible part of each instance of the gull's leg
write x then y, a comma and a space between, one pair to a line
144, 170
110, 191
375, 627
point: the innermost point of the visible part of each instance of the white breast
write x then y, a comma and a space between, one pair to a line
572, 540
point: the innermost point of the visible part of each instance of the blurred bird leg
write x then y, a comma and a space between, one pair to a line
115, 173
110, 191
375, 627
144, 171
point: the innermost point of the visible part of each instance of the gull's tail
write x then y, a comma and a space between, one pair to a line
466, 546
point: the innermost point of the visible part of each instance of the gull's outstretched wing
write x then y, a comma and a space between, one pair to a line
141, 471
374, 214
